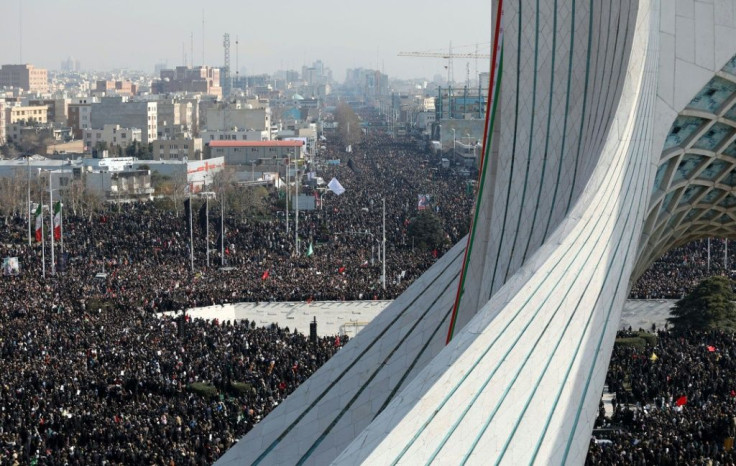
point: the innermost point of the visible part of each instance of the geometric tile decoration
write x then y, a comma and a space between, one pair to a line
697, 198
611, 141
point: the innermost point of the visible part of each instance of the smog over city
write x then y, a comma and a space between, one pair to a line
137, 34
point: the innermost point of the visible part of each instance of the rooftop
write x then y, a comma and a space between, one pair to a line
256, 143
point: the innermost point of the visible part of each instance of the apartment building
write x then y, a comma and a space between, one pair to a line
125, 88
120, 111
198, 79
26, 77
177, 149
112, 135
27, 114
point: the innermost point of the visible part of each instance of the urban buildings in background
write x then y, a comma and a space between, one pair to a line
25, 77
176, 114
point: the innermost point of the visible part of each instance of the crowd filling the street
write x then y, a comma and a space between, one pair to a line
674, 403
94, 374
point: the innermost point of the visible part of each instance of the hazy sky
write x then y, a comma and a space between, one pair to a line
107, 34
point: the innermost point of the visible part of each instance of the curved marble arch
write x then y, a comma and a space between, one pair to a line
694, 192
573, 204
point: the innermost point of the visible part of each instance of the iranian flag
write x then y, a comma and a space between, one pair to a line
57, 220
39, 224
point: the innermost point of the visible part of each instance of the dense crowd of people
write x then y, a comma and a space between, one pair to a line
145, 250
92, 374
680, 270
84, 387
674, 403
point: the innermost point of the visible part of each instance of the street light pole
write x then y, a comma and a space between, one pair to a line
222, 226
28, 162
61, 215
383, 278
453, 142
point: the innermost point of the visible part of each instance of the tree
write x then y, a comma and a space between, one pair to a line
348, 125
426, 230
179, 189
13, 194
709, 306
248, 202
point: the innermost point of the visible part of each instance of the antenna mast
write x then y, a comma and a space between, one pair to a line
20, 32
227, 82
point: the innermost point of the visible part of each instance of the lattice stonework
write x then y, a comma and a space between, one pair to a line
694, 191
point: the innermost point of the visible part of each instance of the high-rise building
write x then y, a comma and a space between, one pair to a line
200, 79
70, 65
116, 88
594, 166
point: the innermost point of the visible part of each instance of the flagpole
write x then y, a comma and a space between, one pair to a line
222, 227
207, 227
61, 217
288, 167
296, 208
61, 223
51, 229
191, 232
28, 162
43, 242
383, 278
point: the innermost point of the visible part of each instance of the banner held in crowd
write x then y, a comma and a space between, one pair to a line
335, 186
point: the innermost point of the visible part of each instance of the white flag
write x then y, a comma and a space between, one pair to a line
335, 186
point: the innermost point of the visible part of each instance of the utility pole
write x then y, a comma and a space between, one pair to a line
383, 278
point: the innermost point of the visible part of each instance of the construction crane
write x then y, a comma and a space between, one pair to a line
449, 55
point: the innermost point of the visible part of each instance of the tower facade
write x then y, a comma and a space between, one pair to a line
608, 140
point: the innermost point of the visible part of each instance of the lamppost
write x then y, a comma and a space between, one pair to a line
383, 255
28, 162
453, 142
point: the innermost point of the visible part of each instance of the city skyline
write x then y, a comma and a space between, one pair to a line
295, 35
